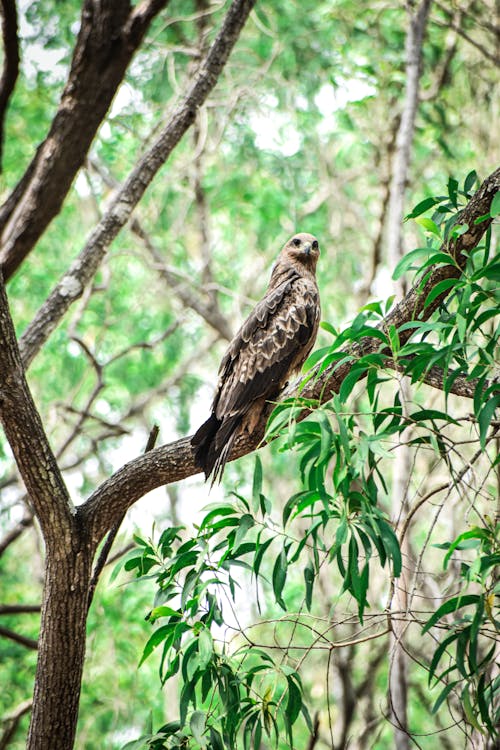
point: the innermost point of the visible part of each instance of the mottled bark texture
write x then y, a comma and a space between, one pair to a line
110, 33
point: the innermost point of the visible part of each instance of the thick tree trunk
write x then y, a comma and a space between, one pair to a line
61, 649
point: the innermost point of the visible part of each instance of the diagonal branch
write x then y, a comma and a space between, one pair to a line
173, 462
28, 441
23, 640
83, 269
109, 35
11, 61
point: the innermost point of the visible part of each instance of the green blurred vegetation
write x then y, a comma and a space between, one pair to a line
298, 135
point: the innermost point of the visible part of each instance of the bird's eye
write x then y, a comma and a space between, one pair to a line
315, 245
296, 242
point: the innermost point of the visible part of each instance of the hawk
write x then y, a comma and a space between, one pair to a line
270, 347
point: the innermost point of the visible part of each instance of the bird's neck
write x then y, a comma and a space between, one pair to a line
284, 269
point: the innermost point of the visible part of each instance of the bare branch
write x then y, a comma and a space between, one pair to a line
109, 35
81, 272
175, 461
11, 722
23, 640
19, 609
11, 61
16, 531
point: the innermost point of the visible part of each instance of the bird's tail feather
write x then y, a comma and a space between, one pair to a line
213, 442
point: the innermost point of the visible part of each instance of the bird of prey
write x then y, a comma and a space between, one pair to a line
270, 347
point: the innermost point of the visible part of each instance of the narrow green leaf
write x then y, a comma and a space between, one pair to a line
205, 647
245, 524
294, 702
197, 725
485, 417
257, 483
423, 206
440, 288
279, 577
443, 695
309, 577
495, 205
457, 602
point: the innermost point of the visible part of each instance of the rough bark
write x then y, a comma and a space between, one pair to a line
109, 35
83, 269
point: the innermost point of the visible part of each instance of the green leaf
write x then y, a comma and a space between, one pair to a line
257, 483
440, 288
423, 206
279, 577
457, 602
309, 577
294, 702
429, 226
439, 653
443, 695
470, 181
157, 637
485, 417
475, 533
495, 205
245, 524
205, 647
197, 724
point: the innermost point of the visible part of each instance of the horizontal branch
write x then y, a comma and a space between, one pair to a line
174, 462
83, 269
19, 609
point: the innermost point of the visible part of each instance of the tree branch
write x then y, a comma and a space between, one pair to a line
11, 723
175, 461
23, 640
109, 35
24, 431
19, 609
83, 269
16, 531
11, 62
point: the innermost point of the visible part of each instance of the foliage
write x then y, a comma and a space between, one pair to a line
300, 133
230, 689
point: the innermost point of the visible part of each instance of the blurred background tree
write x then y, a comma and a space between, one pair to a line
303, 132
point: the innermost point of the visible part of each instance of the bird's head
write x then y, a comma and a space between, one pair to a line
303, 248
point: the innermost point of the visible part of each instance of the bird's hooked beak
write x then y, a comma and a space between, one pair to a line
307, 248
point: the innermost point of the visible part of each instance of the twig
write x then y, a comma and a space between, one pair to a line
11, 722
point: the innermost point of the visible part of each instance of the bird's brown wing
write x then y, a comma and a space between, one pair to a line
272, 343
